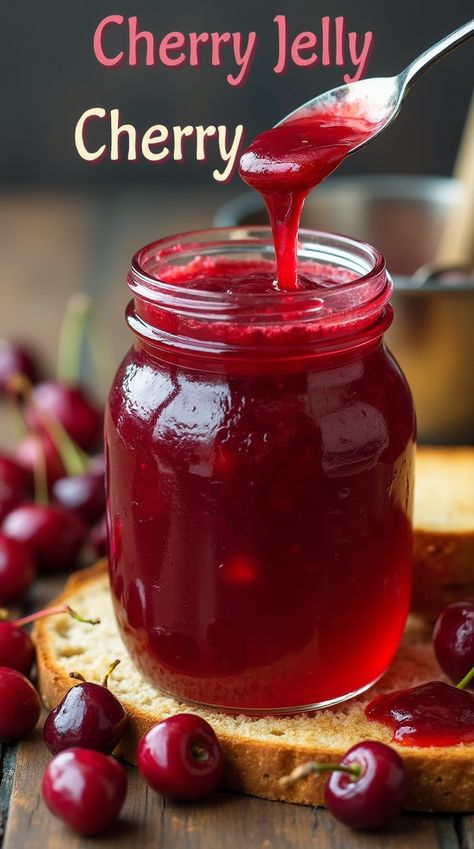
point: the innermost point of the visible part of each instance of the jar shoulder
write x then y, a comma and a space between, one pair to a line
362, 407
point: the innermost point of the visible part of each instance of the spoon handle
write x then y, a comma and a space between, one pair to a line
421, 63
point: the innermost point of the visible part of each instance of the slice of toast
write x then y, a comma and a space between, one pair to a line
258, 751
444, 527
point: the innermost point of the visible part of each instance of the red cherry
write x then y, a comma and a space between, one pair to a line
453, 639
8, 502
98, 537
37, 448
89, 715
17, 569
15, 477
15, 359
85, 789
83, 494
374, 797
181, 757
55, 535
70, 406
16, 484
17, 650
20, 705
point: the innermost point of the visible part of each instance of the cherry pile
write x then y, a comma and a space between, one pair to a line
82, 785
52, 505
20, 704
52, 490
180, 757
85, 787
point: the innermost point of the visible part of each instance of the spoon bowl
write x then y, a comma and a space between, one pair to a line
377, 100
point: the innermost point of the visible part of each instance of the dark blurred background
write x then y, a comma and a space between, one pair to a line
50, 76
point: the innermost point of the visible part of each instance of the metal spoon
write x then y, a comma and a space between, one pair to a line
378, 99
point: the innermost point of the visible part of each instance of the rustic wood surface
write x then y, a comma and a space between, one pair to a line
225, 819
50, 246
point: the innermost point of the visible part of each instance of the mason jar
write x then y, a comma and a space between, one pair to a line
259, 473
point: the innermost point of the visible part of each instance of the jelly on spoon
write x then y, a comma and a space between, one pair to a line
286, 162
377, 100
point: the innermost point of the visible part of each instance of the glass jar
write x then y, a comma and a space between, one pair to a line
259, 472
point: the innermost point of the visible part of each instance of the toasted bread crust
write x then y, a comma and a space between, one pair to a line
442, 779
443, 551
443, 570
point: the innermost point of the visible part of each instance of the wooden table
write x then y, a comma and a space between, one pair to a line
221, 821
50, 246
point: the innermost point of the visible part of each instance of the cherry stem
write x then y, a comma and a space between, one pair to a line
71, 337
16, 416
18, 391
309, 768
49, 611
466, 680
75, 615
74, 460
107, 675
78, 677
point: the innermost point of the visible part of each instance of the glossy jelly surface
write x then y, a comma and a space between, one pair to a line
433, 714
283, 164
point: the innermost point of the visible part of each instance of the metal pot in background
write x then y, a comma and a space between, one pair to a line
432, 335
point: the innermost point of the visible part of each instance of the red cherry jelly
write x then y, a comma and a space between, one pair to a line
433, 714
259, 471
286, 162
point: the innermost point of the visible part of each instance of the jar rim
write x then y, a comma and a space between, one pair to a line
168, 314
147, 285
